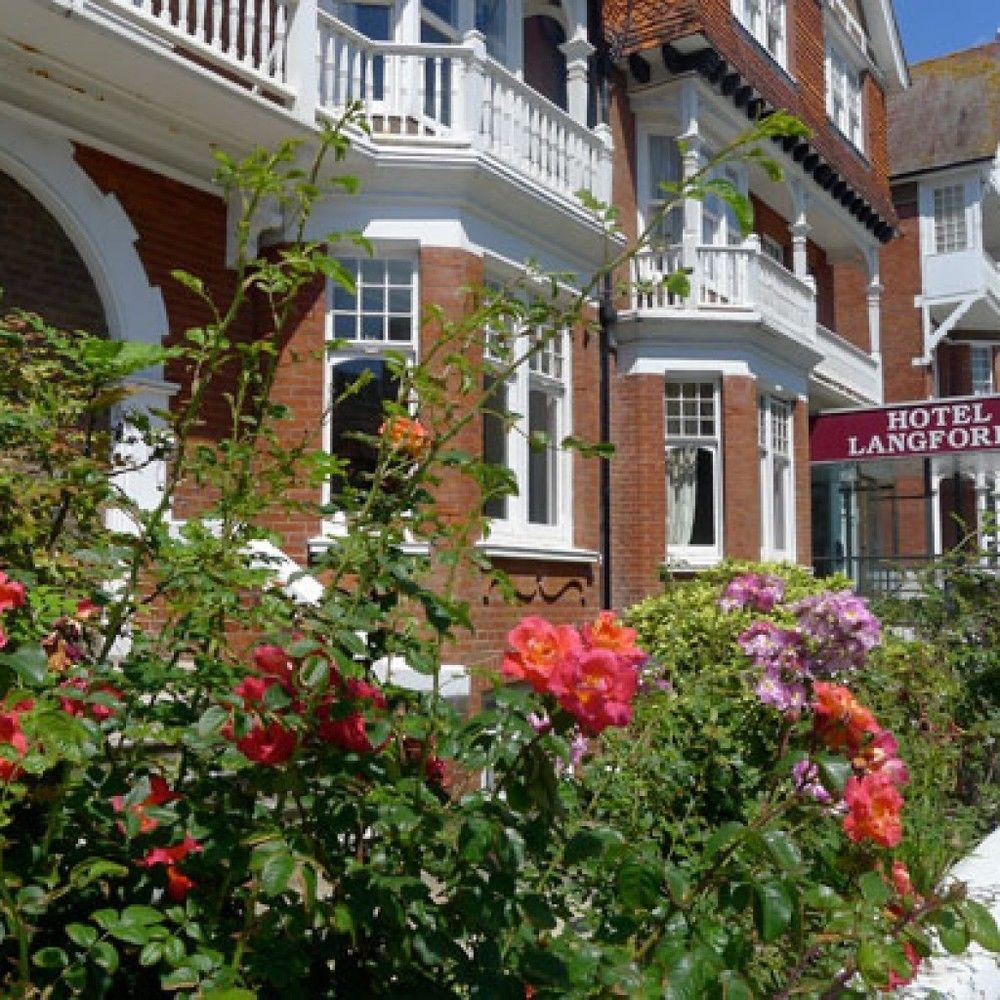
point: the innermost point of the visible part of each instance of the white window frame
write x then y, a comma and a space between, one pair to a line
950, 218
845, 95
776, 447
336, 524
767, 22
981, 369
686, 436
515, 529
653, 197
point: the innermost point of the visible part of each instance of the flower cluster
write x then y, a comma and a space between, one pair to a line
780, 653
872, 794
591, 673
756, 591
12, 595
338, 717
13, 739
407, 436
178, 884
842, 629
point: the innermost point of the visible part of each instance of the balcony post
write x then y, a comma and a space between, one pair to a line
475, 86
691, 163
874, 297
577, 52
800, 230
302, 58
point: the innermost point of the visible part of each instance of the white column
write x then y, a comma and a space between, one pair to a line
302, 59
475, 86
605, 187
577, 52
874, 297
690, 138
800, 230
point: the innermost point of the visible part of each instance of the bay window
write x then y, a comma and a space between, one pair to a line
528, 414
379, 315
777, 501
766, 21
693, 471
843, 96
951, 230
664, 166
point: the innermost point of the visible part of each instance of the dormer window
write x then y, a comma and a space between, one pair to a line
766, 20
843, 96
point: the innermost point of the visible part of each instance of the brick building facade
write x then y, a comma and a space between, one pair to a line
107, 120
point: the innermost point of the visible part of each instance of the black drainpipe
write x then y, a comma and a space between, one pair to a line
607, 314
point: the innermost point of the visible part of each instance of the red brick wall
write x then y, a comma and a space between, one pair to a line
646, 24
850, 303
741, 469
40, 269
638, 487
901, 324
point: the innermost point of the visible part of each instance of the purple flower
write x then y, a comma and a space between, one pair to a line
770, 646
842, 631
758, 591
540, 723
577, 748
805, 779
772, 690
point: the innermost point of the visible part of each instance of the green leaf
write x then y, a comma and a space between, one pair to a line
229, 993
722, 838
875, 962
873, 889
276, 872
981, 925
211, 721
106, 956
734, 986
82, 935
29, 662
639, 886
50, 958
141, 916
834, 772
89, 871
782, 849
151, 954
772, 910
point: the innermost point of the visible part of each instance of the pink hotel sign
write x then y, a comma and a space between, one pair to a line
906, 431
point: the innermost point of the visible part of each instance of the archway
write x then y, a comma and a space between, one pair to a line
544, 61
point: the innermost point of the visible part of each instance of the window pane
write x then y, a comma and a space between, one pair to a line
373, 309
950, 233
373, 300
359, 412
779, 511
495, 438
542, 463
491, 20
399, 300
369, 18
444, 9
400, 272
343, 299
345, 327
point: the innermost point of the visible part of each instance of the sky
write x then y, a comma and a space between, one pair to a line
934, 27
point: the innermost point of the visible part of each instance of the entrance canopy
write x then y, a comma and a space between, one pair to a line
966, 430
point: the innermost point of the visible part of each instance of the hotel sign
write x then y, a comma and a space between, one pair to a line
906, 431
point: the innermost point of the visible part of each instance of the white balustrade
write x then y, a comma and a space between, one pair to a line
729, 280
452, 94
247, 37
849, 367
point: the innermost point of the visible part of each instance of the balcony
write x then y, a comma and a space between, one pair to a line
289, 57
728, 283
849, 372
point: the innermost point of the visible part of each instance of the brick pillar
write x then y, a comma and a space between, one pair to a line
638, 488
741, 468
299, 385
803, 484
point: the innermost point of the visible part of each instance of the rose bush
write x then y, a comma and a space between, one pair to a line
211, 789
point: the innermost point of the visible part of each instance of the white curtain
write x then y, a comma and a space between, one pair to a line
682, 489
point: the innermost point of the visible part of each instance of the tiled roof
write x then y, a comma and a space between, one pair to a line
950, 114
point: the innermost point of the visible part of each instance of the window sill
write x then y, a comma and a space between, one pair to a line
678, 563
319, 545
539, 552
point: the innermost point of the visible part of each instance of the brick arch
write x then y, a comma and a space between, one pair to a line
42, 164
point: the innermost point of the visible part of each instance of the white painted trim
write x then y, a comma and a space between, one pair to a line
43, 163
541, 553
